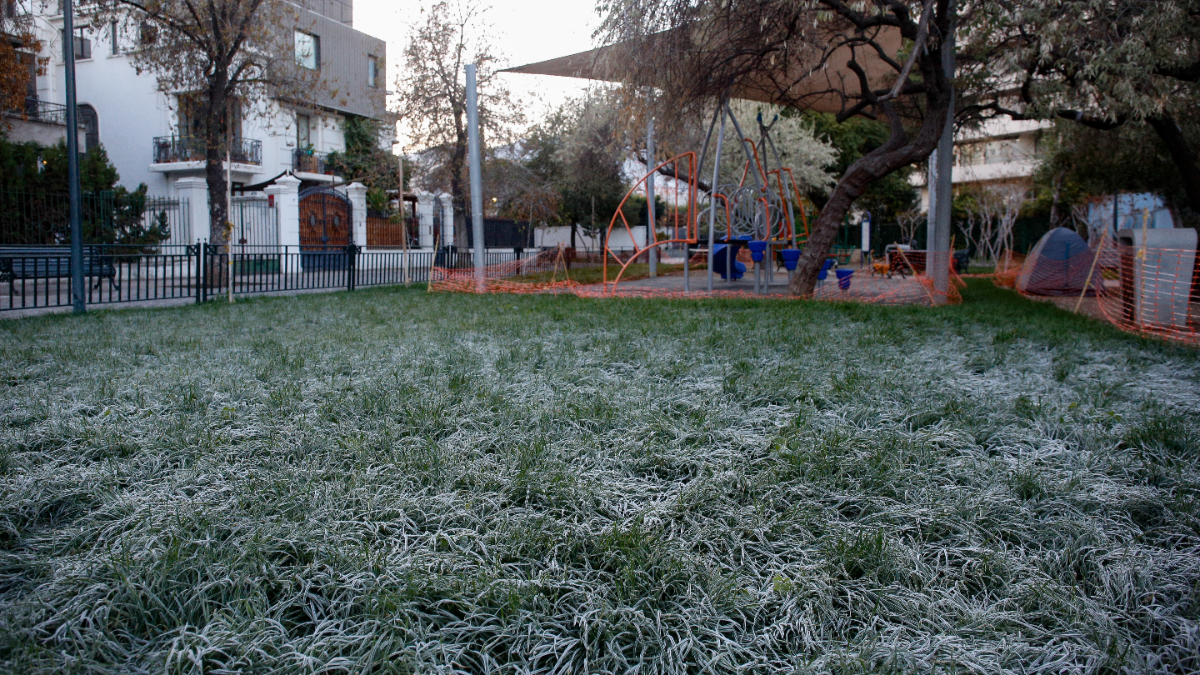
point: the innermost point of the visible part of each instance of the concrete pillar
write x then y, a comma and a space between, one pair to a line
443, 202
425, 218
357, 192
195, 191
286, 195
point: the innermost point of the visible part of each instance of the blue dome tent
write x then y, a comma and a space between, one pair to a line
1058, 265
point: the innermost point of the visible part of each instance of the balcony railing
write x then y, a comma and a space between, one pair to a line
35, 110
169, 149
310, 161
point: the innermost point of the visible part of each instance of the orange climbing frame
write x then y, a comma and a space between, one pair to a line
690, 232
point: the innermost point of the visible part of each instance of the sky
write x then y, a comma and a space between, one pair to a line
524, 31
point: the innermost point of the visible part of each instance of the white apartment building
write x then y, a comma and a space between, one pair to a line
1004, 151
146, 131
1001, 150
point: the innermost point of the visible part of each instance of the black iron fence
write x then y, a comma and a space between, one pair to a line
125, 218
32, 277
37, 110
310, 161
255, 221
40, 276
169, 149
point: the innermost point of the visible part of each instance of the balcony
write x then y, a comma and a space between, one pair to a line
310, 161
34, 110
34, 121
171, 149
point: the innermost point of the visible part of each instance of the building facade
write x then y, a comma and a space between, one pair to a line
146, 132
1001, 151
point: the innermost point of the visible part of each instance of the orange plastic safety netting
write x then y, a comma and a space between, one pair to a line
900, 279
1142, 281
1008, 268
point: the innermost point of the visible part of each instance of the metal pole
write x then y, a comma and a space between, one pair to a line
78, 301
712, 198
476, 176
939, 243
767, 233
742, 140
866, 239
403, 224
791, 214
651, 235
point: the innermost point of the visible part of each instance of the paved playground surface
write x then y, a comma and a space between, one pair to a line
863, 286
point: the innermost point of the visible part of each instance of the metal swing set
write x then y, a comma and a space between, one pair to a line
758, 212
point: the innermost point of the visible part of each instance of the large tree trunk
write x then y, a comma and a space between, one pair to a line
1183, 156
458, 189
899, 151
214, 176
215, 132
1056, 198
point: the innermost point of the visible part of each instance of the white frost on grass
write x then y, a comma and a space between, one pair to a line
401, 482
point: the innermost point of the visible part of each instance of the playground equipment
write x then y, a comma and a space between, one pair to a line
758, 212
763, 211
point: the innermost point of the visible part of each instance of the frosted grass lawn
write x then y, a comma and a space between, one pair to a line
393, 481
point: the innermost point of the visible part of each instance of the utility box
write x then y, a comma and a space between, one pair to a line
1156, 276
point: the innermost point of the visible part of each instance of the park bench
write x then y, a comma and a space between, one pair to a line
905, 261
53, 262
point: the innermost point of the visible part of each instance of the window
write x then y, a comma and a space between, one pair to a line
29, 63
147, 34
372, 71
308, 51
83, 46
114, 47
303, 132
192, 117
1000, 152
968, 153
90, 121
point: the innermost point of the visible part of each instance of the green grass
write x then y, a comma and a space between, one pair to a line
397, 481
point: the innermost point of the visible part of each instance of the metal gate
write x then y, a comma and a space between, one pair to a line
325, 219
254, 222
325, 222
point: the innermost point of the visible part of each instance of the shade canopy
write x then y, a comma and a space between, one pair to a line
810, 84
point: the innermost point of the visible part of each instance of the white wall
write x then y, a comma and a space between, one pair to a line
132, 112
549, 237
130, 109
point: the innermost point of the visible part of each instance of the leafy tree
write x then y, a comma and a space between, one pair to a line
1104, 64
888, 197
365, 161
578, 150
774, 47
432, 106
1084, 161
34, 207
17, 44
31, 167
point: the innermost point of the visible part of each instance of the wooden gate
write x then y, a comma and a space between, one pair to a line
325, 219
